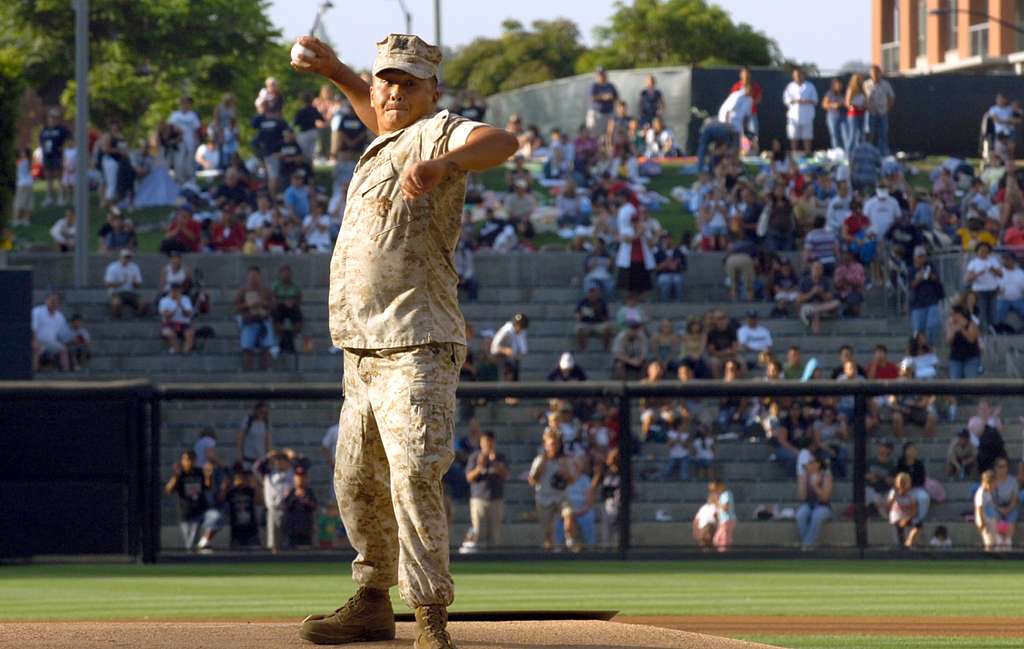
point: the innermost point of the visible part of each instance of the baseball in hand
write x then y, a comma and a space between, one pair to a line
302, 56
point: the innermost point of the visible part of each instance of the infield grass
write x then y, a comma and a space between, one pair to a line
267, 591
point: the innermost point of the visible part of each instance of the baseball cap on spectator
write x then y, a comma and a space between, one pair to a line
752, 314
126, 252
177, 285
920, 251
521, 184
963, 434
523, 321
186, 206
633, 322
566, 362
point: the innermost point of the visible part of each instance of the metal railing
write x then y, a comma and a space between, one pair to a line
152, 396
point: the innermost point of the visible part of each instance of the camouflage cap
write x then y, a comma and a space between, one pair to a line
407, 53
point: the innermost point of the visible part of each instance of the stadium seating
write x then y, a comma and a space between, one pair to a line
545, 286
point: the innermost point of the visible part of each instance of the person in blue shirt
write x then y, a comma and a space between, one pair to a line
603, 96
297, 196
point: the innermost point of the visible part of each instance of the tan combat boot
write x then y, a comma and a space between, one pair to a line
366, 617
431, 622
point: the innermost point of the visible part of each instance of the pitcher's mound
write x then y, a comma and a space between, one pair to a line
239, 635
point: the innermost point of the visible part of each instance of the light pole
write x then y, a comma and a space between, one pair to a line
437, 32
81, 274
408, 16
321, 10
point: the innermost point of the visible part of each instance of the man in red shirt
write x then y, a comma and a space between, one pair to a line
227, 235
184, 233
754, 89
1014, 236
881, 368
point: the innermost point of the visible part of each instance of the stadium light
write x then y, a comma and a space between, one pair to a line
408, 16
81, 199
321, 10
978, 14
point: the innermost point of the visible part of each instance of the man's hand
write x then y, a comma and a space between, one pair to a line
326, 62
422, 177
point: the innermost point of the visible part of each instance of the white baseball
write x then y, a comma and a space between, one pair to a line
302, 56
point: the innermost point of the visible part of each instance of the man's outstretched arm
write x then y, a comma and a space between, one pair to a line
328, 65
485, 147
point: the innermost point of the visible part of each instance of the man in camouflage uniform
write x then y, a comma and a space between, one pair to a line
394, 310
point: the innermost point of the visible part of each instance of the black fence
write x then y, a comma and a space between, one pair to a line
84, 439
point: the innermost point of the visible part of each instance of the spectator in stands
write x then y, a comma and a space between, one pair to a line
722, 345
821, 245
652, 103
630, 350
509, 346
186, 120
962, 336
298, 197
23, 188
781, 233
814, 490
486, 472
634, 259
468, 285
880, 100
1011, 294
926, 292
670, 264
592, 318
307, 121
680, 449
849, 280
879, 476
117, 233
603, 96
817, 298
299, 509
269, 99
754, 338
983, 274
692, 352
1006, 498
52, 138
123, 279
725, 506
911, 464
961, 457
567, 369
267, 144
856, 109
232, 192
241, 498
287, 313
986, 517
838, 208
49, 330
227, 234
550, 475
793, 369
78, 343
191, 484
597, 269
785, 286
254, 438
918, 409
801, 99
881, 368
664, 344
865, 166
834, 105
176, 321
903, 508
705, 521
63, 231
660, 141
184, 233
278, 479
254, 304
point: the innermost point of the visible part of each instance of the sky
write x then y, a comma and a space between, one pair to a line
826, 32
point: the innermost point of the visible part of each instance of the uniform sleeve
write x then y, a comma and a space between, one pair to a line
449, 131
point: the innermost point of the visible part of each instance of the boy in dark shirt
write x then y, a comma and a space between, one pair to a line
241, 500
300, 510
191, 484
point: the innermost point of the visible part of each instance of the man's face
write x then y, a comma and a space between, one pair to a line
52, 302
884, 452
650, 81
400, 99
602, 77
252, 278
550, 446
486, 444
186, 462
880, 356
286, 274
185, 105
175, 292
793, 356
798, 76
744, 75
876, 73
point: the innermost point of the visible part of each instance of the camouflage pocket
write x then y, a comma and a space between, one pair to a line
431, 421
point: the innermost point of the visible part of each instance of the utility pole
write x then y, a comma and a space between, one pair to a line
82, 229
437, 31
408, 16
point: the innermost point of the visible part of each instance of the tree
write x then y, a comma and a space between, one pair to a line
651, 33
146, 53
11, 84
548, 50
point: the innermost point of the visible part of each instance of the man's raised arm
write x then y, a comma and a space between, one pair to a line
328, 65
486, 147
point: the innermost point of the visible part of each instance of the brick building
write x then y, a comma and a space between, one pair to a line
924, 36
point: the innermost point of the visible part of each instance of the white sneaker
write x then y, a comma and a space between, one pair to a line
203, 544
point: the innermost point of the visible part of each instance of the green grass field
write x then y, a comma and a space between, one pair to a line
269, 591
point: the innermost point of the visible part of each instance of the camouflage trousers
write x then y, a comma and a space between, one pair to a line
394, 446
